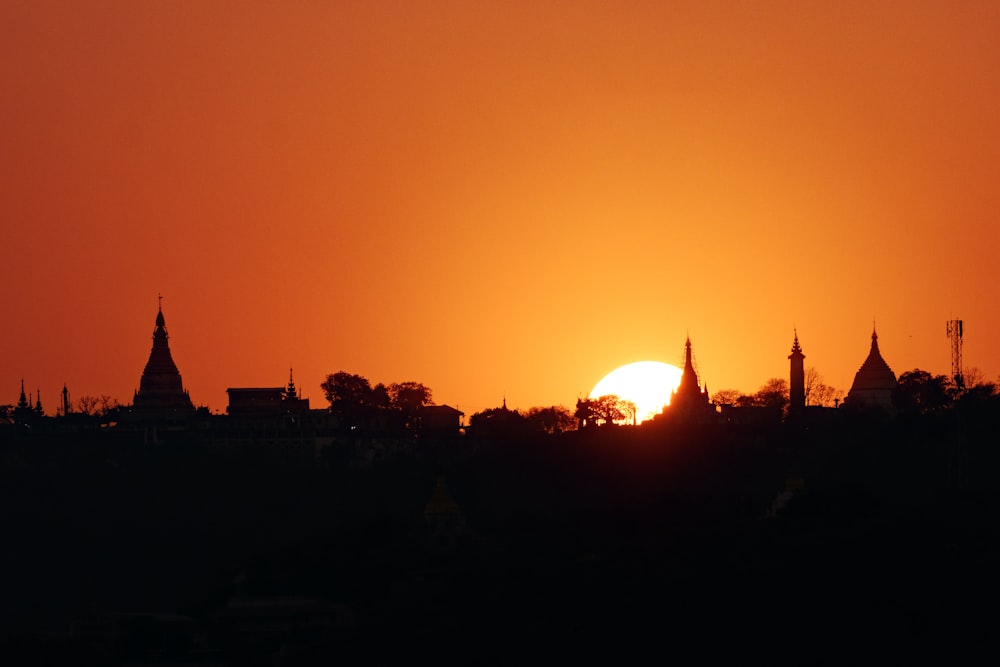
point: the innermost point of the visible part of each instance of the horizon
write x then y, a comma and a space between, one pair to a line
494, 201
303, 392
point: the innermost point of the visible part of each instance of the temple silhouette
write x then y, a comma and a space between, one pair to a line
874, 382
161, 395
280, 415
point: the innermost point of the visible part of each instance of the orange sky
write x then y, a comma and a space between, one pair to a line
493, 198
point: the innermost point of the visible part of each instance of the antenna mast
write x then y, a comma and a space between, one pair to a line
955, 335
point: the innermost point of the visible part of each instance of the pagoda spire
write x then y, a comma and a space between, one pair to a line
689, 398
796, 375
161, 392
22, 401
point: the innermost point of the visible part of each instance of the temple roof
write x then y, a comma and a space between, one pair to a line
796, 348
161, 390
875, 373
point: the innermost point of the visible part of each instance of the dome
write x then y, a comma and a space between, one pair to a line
874, 382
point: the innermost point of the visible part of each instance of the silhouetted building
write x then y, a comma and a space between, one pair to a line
874, 382
23, 412
440, 420
796, 378
264, 401
272, 417
161, 394
690, 401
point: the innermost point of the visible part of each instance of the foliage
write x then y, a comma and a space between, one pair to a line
817, 392
408, 397
919, 391
347, 391
96, 406
498, 422
607, 409
726, 397
552, 419
772, 394
354, 398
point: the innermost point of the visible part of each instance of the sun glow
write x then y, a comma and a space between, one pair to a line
648, 384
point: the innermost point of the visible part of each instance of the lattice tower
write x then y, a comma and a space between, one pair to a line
955, 328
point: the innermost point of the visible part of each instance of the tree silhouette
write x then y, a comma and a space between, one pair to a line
607, 409
553, 419
351, 396
772, 394
727, 397
497, 422
88, 405
408, 398
921, 392
817, 392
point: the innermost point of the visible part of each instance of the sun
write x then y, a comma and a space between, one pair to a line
648, 384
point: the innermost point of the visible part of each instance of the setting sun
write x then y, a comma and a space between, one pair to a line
648, 384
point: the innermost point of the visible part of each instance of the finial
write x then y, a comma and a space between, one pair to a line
795, 342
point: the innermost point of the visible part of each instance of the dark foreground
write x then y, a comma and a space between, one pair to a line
863, 542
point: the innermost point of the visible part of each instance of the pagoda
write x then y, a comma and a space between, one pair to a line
874, 382
690, 400
161, 393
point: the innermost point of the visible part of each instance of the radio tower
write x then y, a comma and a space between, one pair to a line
955, 335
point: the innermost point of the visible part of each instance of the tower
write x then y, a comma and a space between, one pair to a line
873, 383
689, 399
955, 328
161, 393
796, 377
22, 401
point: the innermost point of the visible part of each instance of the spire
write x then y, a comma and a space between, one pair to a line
38, 401
689, 397
689, 376
290, 390
796, 376
688, 362
161, 391
796, 349
22, 401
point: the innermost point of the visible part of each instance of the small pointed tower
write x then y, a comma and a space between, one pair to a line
22, 401
796, 377
161, 393
24, 413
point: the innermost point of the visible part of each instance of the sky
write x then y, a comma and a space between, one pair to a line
501, 200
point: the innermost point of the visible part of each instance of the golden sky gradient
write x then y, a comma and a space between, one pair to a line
495, 199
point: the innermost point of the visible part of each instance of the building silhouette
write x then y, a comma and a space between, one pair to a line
266, 401
689, 402
874, 382
161, 396
796, 378
24, 412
